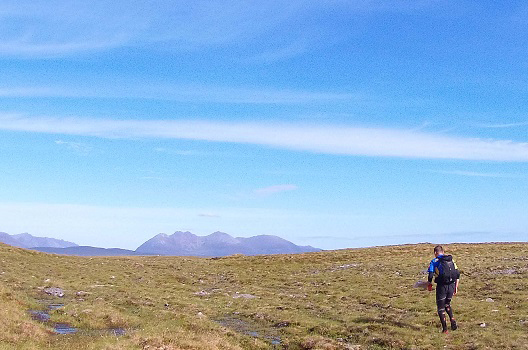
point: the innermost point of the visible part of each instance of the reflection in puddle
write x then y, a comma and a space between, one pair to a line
64, 328
250, 329
55, 306
117, 331
44, 316
41, 316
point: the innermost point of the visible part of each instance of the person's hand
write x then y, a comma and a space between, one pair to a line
456, 290
429, 286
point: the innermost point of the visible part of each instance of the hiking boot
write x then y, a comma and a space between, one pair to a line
453, 325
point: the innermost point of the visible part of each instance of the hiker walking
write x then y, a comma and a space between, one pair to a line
447, 276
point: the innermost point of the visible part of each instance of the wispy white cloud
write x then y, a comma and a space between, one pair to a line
209, 215
344, 140
33, 91
503, 125
180, 152
22, 47
186, 93
278, 54
36, 28
270, 190
478, 174
59, 27
78, 147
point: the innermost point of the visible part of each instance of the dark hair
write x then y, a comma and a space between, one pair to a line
438, 249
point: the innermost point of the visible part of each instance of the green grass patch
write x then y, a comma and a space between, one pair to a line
345, 299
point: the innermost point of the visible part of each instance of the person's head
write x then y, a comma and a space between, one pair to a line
438, 250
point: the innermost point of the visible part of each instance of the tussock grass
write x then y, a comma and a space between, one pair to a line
346, 299
15, 325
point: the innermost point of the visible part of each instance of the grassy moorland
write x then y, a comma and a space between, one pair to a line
346, 299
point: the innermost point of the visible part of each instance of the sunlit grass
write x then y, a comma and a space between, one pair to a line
347, 299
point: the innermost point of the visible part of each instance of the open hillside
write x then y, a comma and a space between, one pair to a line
346, 299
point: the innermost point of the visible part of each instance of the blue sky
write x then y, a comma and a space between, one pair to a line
330, 123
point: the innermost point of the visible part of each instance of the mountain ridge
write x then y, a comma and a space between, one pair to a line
219, 244
25, 240
180, 243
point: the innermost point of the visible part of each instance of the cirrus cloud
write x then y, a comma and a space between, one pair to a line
267, 191
324, 139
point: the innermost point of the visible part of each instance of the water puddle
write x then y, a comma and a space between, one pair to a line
117, 331
249, 328
44, 317
54, 306
65, 328
41, 316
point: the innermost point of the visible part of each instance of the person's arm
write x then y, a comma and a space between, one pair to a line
430, 277
457, 280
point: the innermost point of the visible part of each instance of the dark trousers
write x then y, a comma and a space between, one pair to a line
444, 294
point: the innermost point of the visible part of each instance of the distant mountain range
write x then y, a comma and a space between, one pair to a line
88, 251
179, 244
25, 240
218, 244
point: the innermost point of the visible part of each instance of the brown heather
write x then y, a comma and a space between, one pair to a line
346, 299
